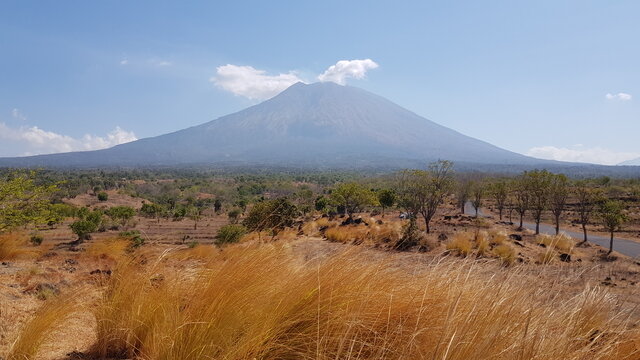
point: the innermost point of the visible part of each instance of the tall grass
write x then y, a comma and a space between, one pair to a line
15, 245
262, 302
256, 302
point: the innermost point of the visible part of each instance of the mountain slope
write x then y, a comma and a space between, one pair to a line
321, 124
632, 162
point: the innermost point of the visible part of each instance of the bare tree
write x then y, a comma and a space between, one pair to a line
558, 194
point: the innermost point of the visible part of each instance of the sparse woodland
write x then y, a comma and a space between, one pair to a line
424, 263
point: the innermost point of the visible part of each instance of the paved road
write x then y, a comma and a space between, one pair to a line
623, 246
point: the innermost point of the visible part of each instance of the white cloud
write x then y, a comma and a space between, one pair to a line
578, 153
124, 62
252, 83
39, 141
17, 114
619, 96
344, 69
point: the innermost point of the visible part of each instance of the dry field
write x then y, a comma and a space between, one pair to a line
473, 289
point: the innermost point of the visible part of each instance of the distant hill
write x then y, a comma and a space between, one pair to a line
634, 162
308, 125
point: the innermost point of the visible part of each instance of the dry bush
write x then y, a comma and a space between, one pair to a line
461, 244
312, 228
505, 253
497, 237
547, 256
15, 245
111, 248
560, 242
483, 243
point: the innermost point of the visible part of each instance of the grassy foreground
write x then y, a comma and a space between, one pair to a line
267, 302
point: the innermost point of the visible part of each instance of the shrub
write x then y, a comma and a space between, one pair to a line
36, 240
103, 196
505, 253
230, 234
411, 236
560, 242
461, 244
83, 229
134, 237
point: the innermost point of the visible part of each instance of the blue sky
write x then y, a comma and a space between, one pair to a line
532, 77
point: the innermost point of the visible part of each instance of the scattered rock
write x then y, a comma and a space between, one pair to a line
100, 272
443, 237
71, 262
565, 257
542, 245
517, 237
379, 222
518, 243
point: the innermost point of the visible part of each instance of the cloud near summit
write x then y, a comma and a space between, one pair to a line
256, 84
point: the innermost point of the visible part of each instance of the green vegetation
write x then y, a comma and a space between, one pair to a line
230, 234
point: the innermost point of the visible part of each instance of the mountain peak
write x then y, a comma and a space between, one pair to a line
317, 124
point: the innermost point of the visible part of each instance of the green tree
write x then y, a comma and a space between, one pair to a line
88, 223
217, 206
230, 233
121, 214
499, 190
386, 198
353, 197
558, 194
586, 200
521, 196
304, 199
422, 192
23, 201
539, 184
152, 210
273, 215
321, 203
613, 217
233, 215
103, 196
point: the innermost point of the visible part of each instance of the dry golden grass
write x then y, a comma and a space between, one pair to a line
505, 253
560, 242
261, 302
15, 245
375, 234
312, 228
461, 244
37, 331
111, 248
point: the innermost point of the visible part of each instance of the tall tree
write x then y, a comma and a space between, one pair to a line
558, 194
499, 190
587, 199
386, 198
521, 196
477, 195
422, 192
463, 192
539, 184
353, 196
23, 201
612, 216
